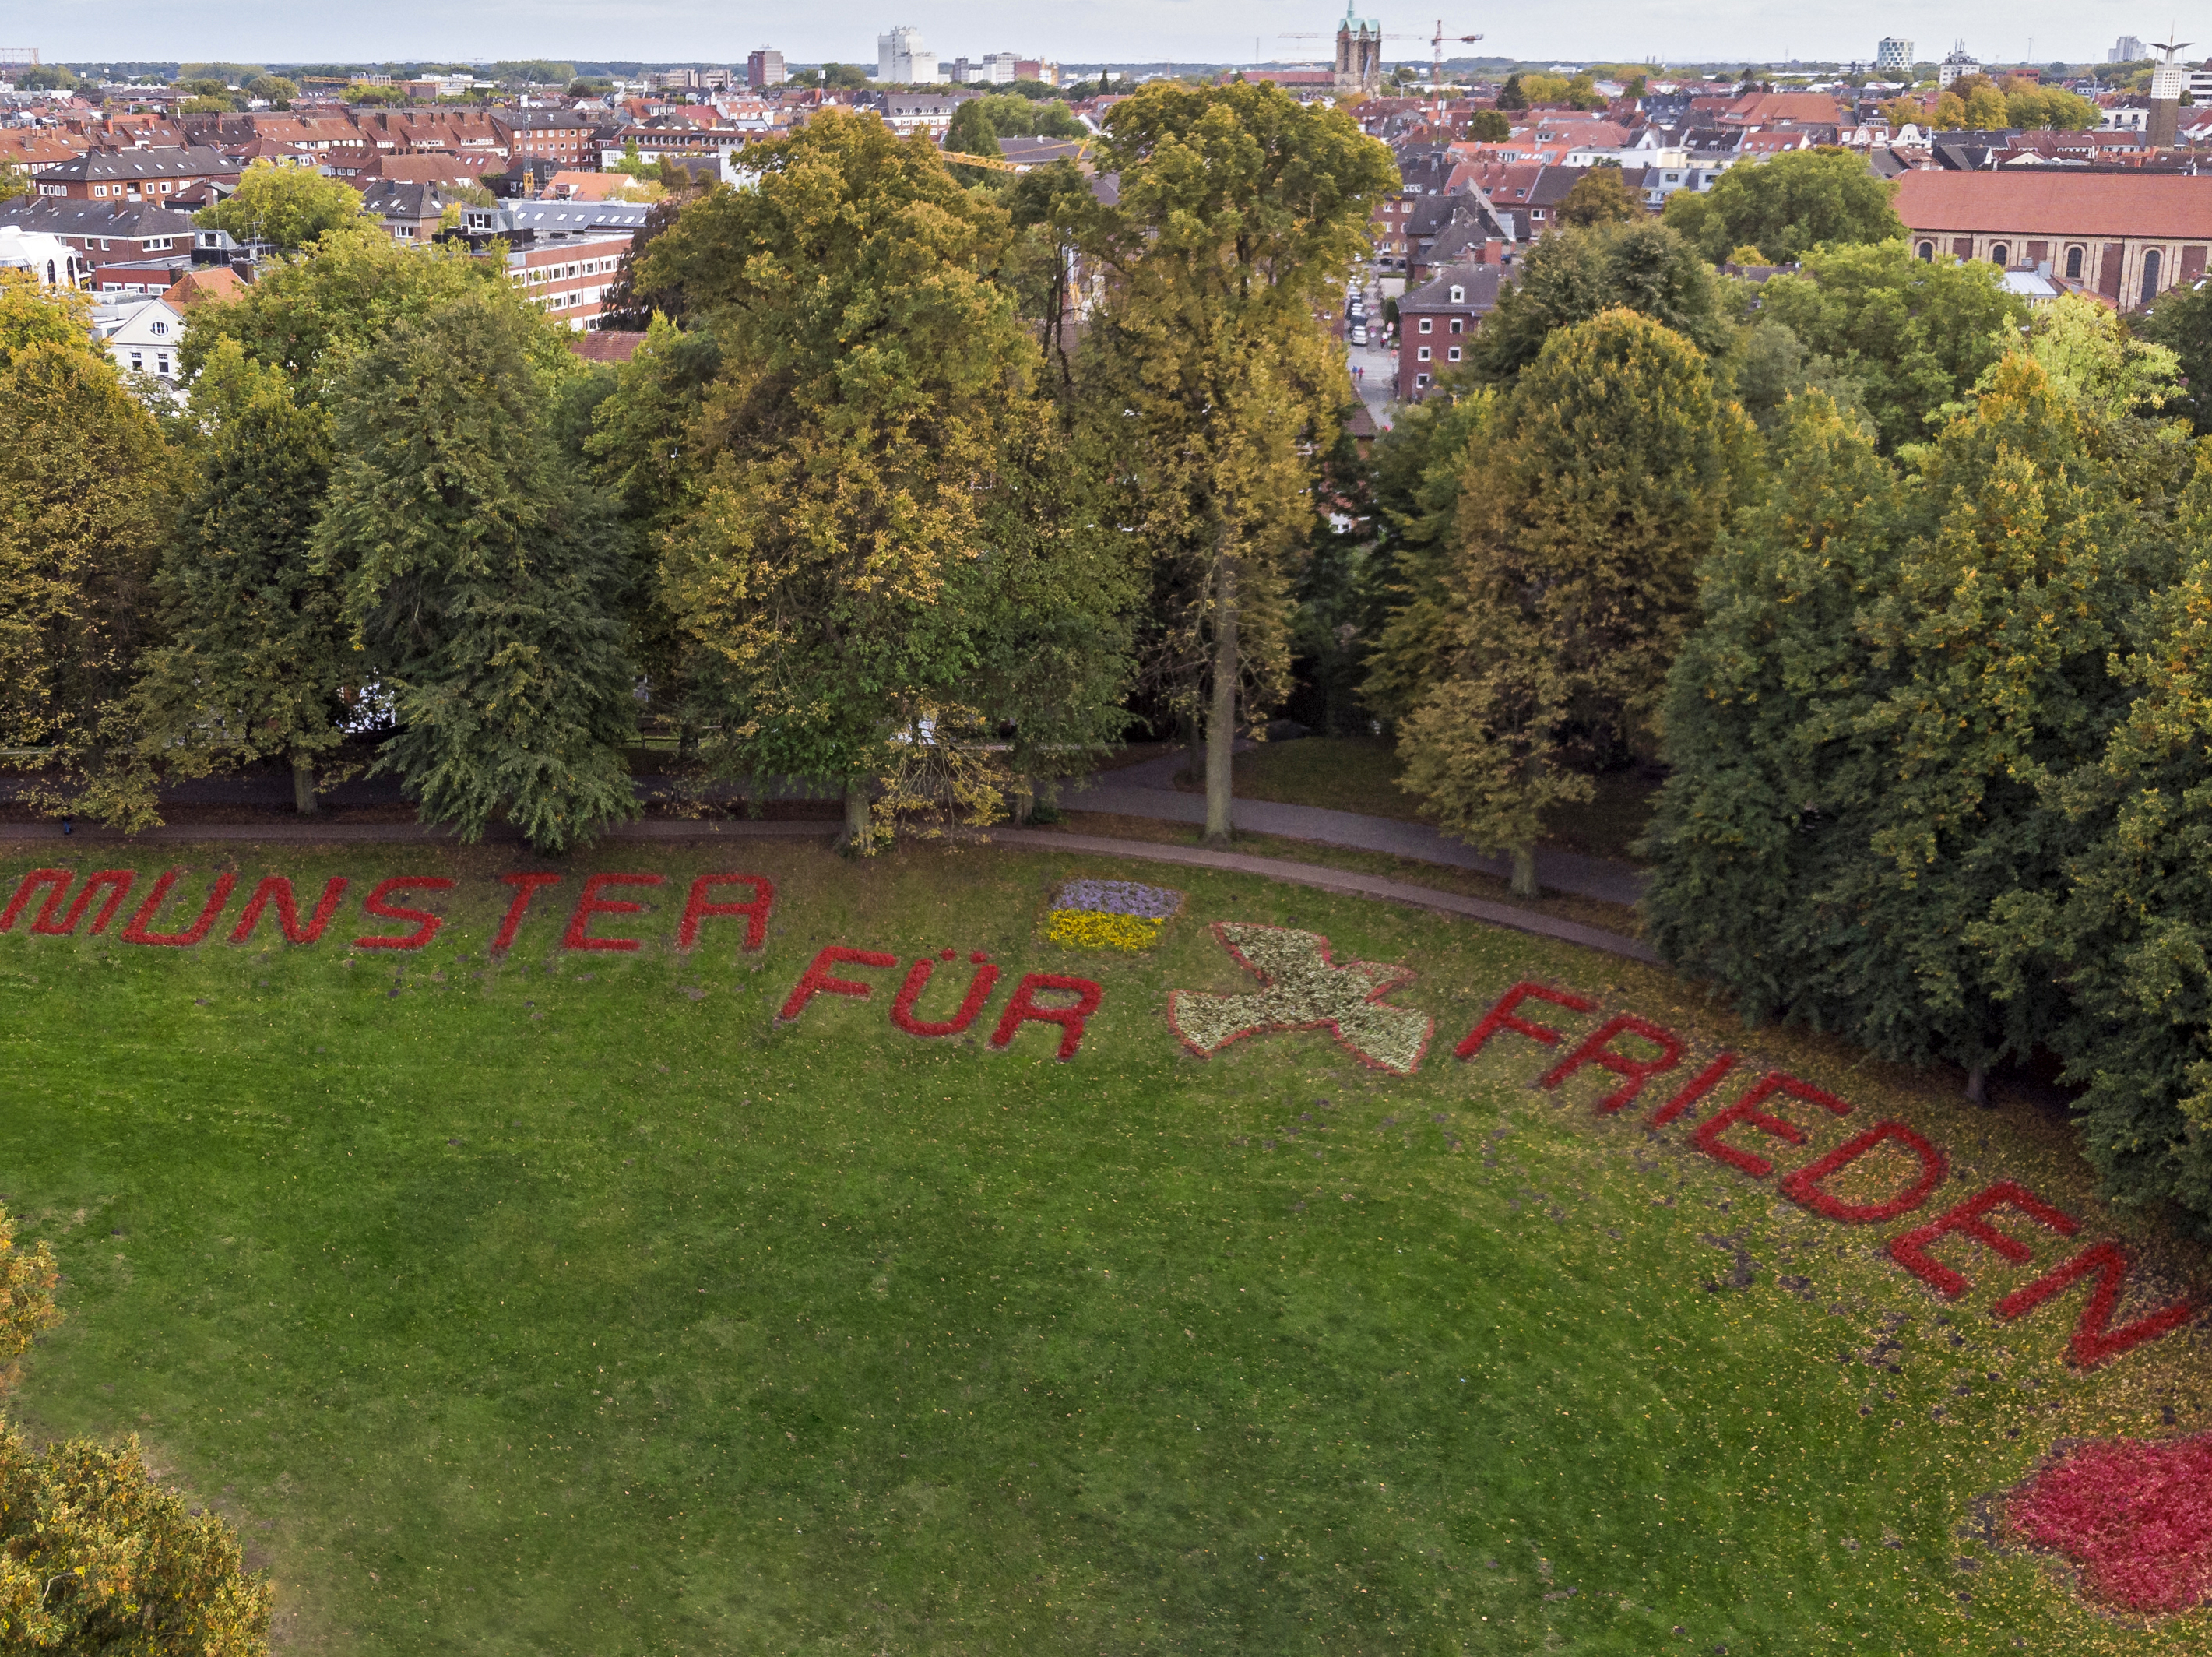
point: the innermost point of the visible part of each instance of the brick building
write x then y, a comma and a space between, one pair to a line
1436, 321
2127, 235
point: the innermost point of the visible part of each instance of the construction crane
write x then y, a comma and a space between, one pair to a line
1436, 48
1000, 164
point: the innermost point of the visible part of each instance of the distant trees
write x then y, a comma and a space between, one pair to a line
1490, 126
1599, 197
1571, 275
1787, 205
288, 206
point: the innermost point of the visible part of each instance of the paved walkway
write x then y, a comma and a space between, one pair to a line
1046, 840
1148, 790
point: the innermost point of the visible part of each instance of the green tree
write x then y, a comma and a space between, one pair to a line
45, 77
1489, 126
2048, 108
1511, 98
1210, 379
96, 1556
482, 581
27, 1278
2091, 356
1887, 679
255, 659
1915, 336
2180, 319
1572, 275
1787, 205
866, 490
84, 477
1609, 476
1599, 197
844, 77
313, 316
2129, 934
288, 206
278, 90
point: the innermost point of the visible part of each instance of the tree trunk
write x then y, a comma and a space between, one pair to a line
303, 787
1977, 1086
1524, 872
856, 837
1024, 798
1221, 722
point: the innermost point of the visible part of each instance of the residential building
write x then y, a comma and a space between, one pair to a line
1036, 69
108, 232
2127, 235
409, 212
2128, 49
142, 337
908, 113
526, 224
1892, 56
1436, 321
570, 279
764, 69
137, 175
902, 59
1959, 61
559, 135
50, 261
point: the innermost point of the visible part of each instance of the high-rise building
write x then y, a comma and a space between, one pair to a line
902, 60
2128, 49
1892, 56
1960, 62
2167, 82
765, 68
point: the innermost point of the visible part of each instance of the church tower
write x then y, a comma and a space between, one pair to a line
1359, 55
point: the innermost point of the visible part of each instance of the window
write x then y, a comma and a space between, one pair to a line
2150, 275
161, 364
1424, 325
1458, 324
2073, 263
1453, 353
137, 362
161, 327
1423, 355
99, 190
1420, 380
2000, 252
1927, 252
1458, 297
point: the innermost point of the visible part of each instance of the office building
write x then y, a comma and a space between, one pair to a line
765, 68
2128, 49
902, 60
1892, 56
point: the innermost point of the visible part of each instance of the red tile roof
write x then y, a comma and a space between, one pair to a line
2168, 206
607, 345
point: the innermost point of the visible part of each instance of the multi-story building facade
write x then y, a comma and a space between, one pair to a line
135, 175
570, 279
1436, 322
764, 69
902, 59
558, 135
2128, 235
1892, 56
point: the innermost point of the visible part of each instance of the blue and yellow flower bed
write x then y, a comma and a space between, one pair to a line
1110, 915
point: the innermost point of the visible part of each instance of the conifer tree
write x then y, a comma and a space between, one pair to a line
1611, 472
483, 581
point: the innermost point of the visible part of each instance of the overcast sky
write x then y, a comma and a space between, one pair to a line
266, 30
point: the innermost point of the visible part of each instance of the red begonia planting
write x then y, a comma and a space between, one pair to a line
527, 883
426, 923
578, 937
2133, 1516
1804, 1187
917, 980
57, 880
1025, 1008
137, 932
1597, 1049
116, 882
755, 909
818, 979
276, 892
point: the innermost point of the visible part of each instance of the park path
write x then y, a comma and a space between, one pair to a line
1049, 839
1147, 790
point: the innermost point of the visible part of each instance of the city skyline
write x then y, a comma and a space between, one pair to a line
1135, 30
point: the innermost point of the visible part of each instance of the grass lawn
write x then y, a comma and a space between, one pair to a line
570, 1304
1360, 774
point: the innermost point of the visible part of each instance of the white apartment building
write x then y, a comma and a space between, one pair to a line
1891, 56
902, 59
2128, 49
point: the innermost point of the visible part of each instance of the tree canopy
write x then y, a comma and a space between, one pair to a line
1787, 205
1572, 275
288, 206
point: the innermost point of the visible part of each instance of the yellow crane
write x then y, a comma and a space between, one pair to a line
1001, 164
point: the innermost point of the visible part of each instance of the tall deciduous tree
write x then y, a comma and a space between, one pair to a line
1611, 472
1787, 205
1209, 377
482, 579
84, 476
288, 206
1861, 769
845, 562
1914, 337
1572, 275
256, 656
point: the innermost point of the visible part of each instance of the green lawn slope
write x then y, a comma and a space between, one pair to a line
569, 1303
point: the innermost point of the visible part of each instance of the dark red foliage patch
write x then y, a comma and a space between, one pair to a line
2134, 1515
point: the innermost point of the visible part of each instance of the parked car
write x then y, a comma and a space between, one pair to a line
1360, 333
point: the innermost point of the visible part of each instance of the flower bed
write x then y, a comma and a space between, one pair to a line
2133, 1516
1302, 989
1110, 915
